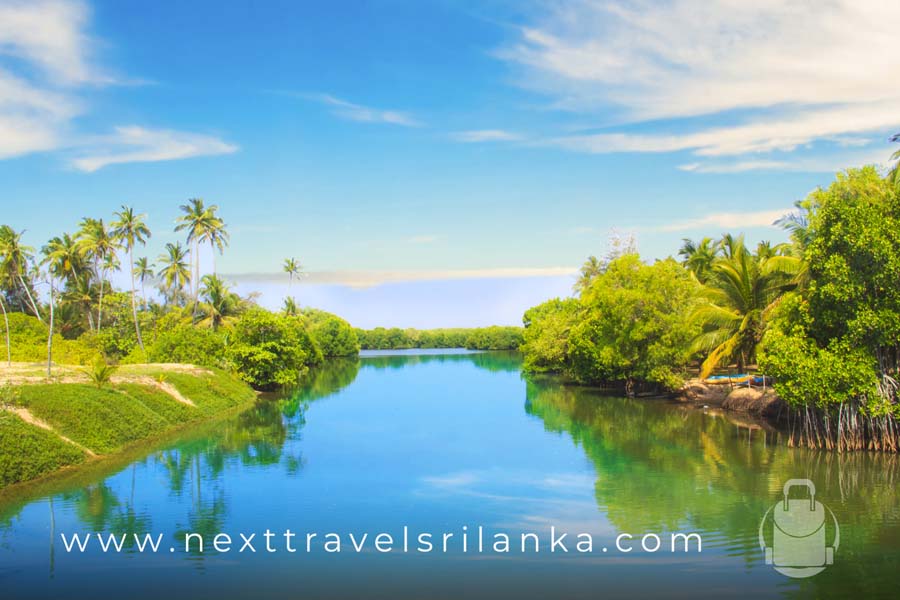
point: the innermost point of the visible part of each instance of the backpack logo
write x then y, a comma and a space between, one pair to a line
798, 547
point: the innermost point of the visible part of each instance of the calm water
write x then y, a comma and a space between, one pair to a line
436, 442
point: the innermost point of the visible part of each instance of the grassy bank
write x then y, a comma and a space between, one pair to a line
49, 424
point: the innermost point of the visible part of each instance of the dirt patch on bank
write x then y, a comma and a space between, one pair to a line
755, 401
25, 415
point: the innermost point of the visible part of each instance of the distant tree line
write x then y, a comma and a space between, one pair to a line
479, 338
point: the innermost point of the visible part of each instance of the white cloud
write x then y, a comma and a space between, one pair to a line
46, 65
485, 135
366, 279
364, 114
136, 144
780, 75
763, 218
825, 164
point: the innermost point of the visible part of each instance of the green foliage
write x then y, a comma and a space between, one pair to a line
333, 335
28, 343
184, 344
838, 342
854, 261
478, 338
27, 452
100, 373
546, 334
103, 420
269, 350
629, 325
213, 392
634, 326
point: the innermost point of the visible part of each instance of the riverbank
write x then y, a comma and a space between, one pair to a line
755, 401
50, 424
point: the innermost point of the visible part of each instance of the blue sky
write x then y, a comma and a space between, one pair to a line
437, 163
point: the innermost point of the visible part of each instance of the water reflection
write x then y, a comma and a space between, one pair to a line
661, 466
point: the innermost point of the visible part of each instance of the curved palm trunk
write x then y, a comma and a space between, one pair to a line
137, 327
50, 333
6, 321
34, 307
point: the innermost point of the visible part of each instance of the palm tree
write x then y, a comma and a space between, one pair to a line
741, 291
698, 258
14, 259
590, 270
219, 302
290, 307
99, 245
216, 234
175, 272
143, 270
293, 268
6, 322
57, 260
131, 229
894, 174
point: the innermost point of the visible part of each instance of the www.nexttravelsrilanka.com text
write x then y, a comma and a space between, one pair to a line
465, 540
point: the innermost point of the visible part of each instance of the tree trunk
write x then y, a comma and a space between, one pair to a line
137, 327
34, 307
6, 320
50, 334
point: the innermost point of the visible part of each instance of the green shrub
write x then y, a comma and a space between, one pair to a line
268, 350
162, 404
27, 452
333, 336
183, 344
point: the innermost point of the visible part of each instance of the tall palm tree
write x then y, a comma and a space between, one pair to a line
99, 245
290, 307
216, 234
219, 302
6, 322
143, 270
14, 260
175, 272
741, 291
590, 270
57, 259
131, 229
698, 258
293, 268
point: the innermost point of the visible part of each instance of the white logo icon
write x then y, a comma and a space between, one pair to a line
798, 534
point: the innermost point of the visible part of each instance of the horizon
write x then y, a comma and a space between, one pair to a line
437, 164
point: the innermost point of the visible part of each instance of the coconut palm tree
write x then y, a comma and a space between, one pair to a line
14, 261
219, 303
590, 270
57, 259
131, 229
98, 245
143, 270
740, 293
6, 322
698, 258
290, 307
216, 234
175, 272
293, 268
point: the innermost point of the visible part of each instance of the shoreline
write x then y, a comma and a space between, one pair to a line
70, 426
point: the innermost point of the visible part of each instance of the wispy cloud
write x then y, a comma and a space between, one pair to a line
485, 135
47, 64
358, 112
137, 144
762, 218
366, 279
423, 239
777, 86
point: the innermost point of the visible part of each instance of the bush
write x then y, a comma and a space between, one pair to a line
333, 336
268, 350
184, 344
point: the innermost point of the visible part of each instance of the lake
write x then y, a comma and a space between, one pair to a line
437, 442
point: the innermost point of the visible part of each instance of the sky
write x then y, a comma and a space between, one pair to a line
437, 163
